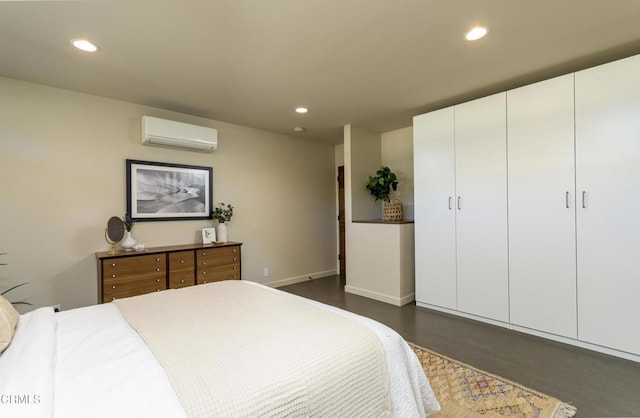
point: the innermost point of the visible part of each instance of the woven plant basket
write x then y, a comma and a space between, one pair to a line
392, 211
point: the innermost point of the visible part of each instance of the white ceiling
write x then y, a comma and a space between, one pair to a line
372, 63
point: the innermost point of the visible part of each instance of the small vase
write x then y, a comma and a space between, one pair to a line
221, 232
128, 242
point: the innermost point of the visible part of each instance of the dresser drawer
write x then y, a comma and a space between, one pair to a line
218, 273
182, 269
218, 256
134, 266
118, 289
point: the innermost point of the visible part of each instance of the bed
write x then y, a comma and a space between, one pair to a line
233, 348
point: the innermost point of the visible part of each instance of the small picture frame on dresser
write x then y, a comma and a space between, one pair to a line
208, 235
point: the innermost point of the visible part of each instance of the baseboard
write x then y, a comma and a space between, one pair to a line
541, 334
578, 343
464, 315
300, 279
380, 296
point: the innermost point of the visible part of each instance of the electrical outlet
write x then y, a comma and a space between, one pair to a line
56, 308
266, 272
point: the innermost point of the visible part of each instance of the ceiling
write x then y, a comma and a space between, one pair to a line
372, 63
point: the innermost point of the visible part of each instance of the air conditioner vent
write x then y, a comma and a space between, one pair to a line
168, 133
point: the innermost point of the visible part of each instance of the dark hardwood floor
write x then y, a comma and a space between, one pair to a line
597, 384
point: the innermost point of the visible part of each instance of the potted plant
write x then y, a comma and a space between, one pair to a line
222, 213
4, 292
380, 187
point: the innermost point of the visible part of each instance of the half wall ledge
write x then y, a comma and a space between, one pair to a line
380, 221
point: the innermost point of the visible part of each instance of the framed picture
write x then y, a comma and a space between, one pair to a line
208, 235
168, 192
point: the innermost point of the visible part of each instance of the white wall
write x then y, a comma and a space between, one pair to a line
339, 155
381, 263
362, 158
397, 154
62, 167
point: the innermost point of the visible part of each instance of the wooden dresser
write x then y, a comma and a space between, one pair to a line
131, 273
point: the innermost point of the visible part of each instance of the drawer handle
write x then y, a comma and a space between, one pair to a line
113, 299
182, 261
204, 253
113, 265
235, 251
182, 281
157, 259
158, 280
235, 259
235, 267
204, 262
113, 275
113, 287
204, 281
157, 269
204, 272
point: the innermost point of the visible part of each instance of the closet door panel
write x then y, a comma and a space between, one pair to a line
541, 185
434, 185
481, 199
608, 227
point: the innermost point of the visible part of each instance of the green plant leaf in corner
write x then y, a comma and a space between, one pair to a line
380, 186
10, 289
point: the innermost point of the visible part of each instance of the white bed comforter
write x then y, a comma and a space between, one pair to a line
260, 353
90, 362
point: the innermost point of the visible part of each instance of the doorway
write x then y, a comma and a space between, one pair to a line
342, 256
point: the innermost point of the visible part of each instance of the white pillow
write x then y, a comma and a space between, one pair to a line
8, 320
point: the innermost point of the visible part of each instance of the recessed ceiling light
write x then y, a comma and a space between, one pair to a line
299, 129
84, 45
302, 109
476, 33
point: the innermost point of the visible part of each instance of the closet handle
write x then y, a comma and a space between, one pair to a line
450, 202
584, 205
566, 200
459, 207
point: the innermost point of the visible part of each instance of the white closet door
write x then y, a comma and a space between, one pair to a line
541, 173
481, 198
608, 227
434, 190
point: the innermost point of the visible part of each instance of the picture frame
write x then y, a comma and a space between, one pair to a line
158, 191
208, 235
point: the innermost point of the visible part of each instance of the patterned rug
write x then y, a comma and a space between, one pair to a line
466, 392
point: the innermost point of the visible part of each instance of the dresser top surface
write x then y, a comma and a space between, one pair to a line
171, 248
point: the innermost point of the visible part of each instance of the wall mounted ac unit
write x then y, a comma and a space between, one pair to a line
168, 133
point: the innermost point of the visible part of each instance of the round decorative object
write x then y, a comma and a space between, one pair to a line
128, 243
221, 232
113, 233
392, 211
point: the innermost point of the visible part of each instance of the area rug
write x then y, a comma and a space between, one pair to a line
466, 392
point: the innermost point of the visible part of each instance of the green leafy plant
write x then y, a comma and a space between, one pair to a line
222, 212
381, 184
128, 222
14, 287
